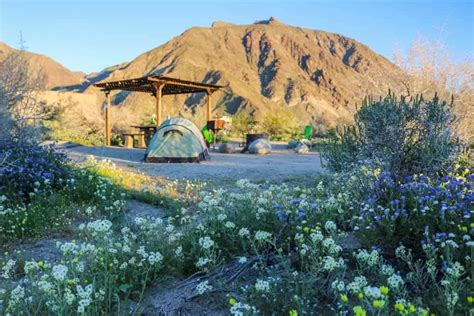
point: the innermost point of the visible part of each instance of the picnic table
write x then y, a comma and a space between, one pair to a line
147, 130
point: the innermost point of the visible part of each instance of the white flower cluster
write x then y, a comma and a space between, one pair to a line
357, 285
202, 262
244, 232
395, 281
16, 296
241, 309
8, 268
203, 287
262, 286
59, 272
365, 258
330, 263
85, 297
372, 292
330, 226
206, 242
99, 227
338, 286
262, 236
331, 247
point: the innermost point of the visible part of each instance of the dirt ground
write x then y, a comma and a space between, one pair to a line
280, 165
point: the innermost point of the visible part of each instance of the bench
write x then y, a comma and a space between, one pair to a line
130, 137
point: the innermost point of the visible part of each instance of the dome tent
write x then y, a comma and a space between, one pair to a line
177, 140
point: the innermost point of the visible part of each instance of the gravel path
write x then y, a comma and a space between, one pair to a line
281, 164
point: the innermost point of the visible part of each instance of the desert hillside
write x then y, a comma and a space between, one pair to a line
55, 74
268, 67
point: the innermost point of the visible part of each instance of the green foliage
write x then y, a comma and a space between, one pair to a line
82, 138
52, 206
402, 136
242, 123
279, 124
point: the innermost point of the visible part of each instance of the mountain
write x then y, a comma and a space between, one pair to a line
268, 67
54, 73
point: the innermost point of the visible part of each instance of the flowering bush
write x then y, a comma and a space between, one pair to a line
23, 165
420, 210
40, 193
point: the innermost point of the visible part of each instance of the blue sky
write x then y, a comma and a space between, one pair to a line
91, 35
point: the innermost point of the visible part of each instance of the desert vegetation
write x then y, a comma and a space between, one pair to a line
389, 233
387, 230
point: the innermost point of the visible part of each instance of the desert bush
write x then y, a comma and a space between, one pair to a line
279, 125
402, 136
20, 108
242, 123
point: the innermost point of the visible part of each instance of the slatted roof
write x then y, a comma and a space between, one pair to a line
146, 84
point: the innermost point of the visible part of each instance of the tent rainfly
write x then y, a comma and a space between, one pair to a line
177, 140
157, 86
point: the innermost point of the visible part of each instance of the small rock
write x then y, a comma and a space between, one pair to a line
292, 144
227, 148
301, 149
260, 146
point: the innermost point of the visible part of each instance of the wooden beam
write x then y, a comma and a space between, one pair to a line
209, 101
158, 94
180, 83
107, 119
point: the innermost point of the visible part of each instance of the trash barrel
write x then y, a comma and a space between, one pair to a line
308, 132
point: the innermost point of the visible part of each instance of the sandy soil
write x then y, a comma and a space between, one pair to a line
281, 164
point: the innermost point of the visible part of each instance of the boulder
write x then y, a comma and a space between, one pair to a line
292, 144
260, 146
301, 149
227, 148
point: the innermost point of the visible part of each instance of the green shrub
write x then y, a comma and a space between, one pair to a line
403, 136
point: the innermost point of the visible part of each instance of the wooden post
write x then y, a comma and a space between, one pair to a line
107, 119
159, 107
208, 114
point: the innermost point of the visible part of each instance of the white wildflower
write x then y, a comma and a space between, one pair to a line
59, 272
262, 286
203, 287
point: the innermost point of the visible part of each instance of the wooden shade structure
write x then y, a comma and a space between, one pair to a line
158, 86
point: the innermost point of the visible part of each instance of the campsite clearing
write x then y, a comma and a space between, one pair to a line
280, 165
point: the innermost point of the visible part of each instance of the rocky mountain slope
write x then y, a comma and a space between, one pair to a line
267, 67
55, 74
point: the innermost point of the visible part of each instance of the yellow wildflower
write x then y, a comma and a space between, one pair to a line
359, 311
378, 303
344, 298
232, 301
360, 296
293, 312
399, 307
470, 299
306, 229
384, 290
